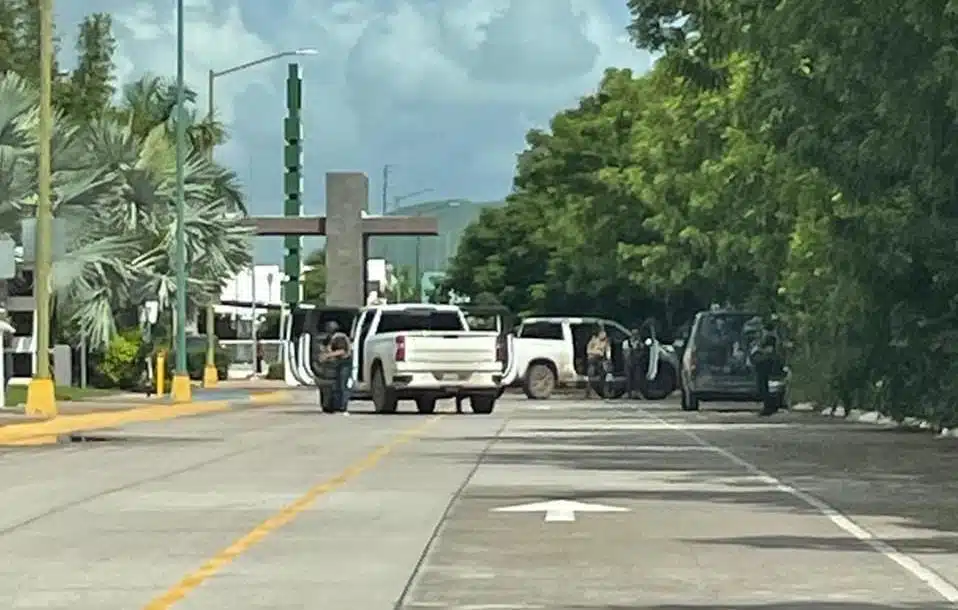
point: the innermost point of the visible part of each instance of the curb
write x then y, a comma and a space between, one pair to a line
876, 418
52, 431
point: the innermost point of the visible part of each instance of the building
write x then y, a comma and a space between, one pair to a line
237, 294
434, 252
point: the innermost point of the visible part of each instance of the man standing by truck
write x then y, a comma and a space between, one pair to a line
632, 352
335, 359
597, 353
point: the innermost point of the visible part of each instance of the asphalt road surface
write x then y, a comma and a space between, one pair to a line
552, 505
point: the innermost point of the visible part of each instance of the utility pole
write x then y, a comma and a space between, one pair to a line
386, 169
210, 375
181, 390
41, 395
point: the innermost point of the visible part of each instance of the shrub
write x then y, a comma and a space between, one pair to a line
196, 359
122, 364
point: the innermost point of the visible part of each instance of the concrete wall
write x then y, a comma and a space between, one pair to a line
347, 195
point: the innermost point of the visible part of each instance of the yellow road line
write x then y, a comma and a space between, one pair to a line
28, 433
216, 563
265, 398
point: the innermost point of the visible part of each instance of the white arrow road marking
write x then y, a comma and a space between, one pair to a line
560, 510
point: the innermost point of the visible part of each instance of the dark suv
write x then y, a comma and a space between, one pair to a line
721, 358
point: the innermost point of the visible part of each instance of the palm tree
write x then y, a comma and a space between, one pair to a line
114, 187
217, 241
151, 101
96, 249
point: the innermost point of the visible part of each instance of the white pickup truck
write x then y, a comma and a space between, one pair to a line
548, 353
424, 352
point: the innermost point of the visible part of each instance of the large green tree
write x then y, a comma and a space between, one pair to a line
554, 245
793, 157
115, 192
91, 83
861, 95
114, 180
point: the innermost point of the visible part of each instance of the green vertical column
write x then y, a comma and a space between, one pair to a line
293, 182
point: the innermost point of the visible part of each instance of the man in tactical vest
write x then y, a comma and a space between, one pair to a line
767, 359
632, 353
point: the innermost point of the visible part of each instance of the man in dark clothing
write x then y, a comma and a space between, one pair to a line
320, 368
338, 354
632, 352
767, 360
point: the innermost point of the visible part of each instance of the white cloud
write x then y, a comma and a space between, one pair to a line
444, 88
214, 39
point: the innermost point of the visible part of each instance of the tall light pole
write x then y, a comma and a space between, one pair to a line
180, 389
210, 375
396, 201
442, 205
400, 198
386, 169
41, 395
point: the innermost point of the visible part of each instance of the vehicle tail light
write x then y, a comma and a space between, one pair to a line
501, 350
693, 363
400, 349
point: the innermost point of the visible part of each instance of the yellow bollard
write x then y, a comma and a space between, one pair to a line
160, 373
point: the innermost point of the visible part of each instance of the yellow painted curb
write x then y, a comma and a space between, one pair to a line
16, 434
264, 399
33, 441
48, 431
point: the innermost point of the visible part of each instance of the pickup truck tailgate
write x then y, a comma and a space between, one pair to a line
464, 351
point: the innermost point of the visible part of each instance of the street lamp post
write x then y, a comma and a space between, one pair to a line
41, 397
396, 201
210, 376
419, 212
252, 329
180, 389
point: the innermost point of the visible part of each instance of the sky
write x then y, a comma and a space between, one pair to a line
442, 90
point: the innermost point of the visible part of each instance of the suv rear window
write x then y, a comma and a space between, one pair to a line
721, 329
419, 319
541, 330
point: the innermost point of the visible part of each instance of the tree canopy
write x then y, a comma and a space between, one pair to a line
113, 180
791, 157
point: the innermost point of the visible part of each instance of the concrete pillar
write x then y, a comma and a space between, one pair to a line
347, 195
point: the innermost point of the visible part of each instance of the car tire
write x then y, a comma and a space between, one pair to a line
384, 397
539, 381
662, 386
482, 405
606, 390
426, 405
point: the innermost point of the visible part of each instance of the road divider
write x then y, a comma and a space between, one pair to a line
50, 431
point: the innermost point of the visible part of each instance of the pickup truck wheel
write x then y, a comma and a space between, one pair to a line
660, 387
483, 405
539, 382
426, 405
384, 397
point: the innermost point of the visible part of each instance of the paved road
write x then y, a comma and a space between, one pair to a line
283, 508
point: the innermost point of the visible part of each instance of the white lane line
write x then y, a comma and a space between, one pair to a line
911, 565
